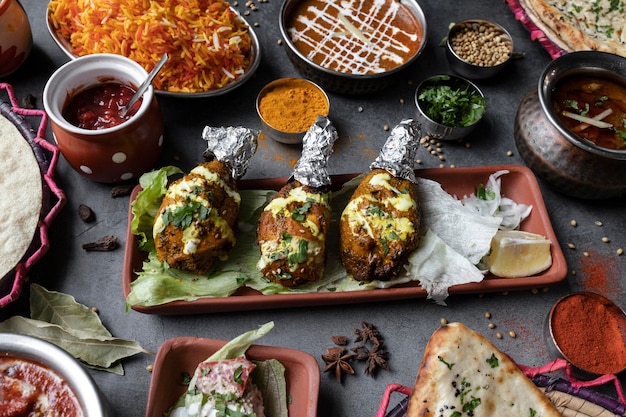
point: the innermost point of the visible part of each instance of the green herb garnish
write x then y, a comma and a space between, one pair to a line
449, 365
493, 361
452, 107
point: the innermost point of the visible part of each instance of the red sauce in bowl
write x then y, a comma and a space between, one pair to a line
28, 388
100, 106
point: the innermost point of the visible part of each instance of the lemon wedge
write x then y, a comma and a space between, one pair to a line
515, 253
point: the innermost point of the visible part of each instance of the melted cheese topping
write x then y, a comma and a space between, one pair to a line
184, 190
374, 221
278, 206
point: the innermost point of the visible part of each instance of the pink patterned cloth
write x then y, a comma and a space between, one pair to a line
22, 268
536, 34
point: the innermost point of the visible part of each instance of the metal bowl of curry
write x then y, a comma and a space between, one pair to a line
39, 378
569, 129
353, 48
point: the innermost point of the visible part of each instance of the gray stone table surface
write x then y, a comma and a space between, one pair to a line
94, 279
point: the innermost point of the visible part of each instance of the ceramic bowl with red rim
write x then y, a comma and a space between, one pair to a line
34, 370
589, 331
124, 147
353, 47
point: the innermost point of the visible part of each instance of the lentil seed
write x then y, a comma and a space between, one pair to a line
512, 334
605, 239
499, 335
620, 251
491, 325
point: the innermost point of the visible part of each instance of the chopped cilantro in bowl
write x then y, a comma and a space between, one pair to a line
448, 107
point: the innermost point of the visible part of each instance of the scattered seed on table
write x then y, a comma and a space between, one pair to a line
573, 223
586, 254
386, 128
279, 42
499, 335
573, 272
605, 239
468, 145
401, 101
419, 162
512, 334
598, 223
620, 251
509, 153
571, 246
492, 326
149, 368
545, 289
452, 166
360, 109
487, 314
443, 321
534, 291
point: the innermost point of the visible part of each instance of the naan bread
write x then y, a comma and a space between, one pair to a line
463, 374
21, 193
580, 25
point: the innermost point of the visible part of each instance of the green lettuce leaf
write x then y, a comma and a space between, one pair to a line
147, 203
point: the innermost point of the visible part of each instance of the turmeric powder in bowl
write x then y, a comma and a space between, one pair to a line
289, 106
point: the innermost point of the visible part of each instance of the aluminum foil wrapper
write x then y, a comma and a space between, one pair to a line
400, 150
233, 146
317, 145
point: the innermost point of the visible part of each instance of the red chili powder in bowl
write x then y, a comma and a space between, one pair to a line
590, 332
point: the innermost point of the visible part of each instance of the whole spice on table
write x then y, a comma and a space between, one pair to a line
293, 105
591, 333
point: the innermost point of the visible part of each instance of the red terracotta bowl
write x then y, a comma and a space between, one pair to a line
113, 154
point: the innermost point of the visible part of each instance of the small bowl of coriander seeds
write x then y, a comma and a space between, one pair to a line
478, 49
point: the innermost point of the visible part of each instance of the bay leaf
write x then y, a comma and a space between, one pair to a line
102, 352
63, 310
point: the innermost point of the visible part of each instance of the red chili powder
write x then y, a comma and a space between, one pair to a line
600, 273
591, 333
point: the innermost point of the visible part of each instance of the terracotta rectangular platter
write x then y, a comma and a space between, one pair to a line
183, 354
520, 184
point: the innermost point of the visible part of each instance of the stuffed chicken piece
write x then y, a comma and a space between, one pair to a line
379, 227
196, 221
294, 225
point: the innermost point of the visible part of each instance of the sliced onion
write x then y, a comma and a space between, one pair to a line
593, 122
598, 116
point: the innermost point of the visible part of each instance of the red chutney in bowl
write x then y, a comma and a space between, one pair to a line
100, 106
355, 37
28, 388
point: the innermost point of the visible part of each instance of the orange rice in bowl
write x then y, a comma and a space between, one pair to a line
209, 44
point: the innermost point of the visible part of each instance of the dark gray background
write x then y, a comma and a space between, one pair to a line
95, 278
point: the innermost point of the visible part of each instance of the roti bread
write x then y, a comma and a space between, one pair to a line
21, 195
464, 374
580, 25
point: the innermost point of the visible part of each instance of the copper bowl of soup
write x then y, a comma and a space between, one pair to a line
36, 374
570, 129
352, 48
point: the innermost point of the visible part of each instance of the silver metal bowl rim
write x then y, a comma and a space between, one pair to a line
440, 76
456, 25
568, 64
62, 363
255, 61
413, 5
550, 334
298, 136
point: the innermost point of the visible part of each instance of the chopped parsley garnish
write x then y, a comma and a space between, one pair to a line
375, 211
450, 106
383, 242
493, 361
532, 412
237, 375
483, 193
300, 256
182, 216
299, 213
442, 360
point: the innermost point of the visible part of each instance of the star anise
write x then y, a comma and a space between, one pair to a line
368, 332
376, 359
337, 359
340, 340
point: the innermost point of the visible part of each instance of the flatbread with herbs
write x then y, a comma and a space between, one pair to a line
463, 374
581, 25
21, 193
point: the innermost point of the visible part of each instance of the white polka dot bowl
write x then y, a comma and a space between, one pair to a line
110, 154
